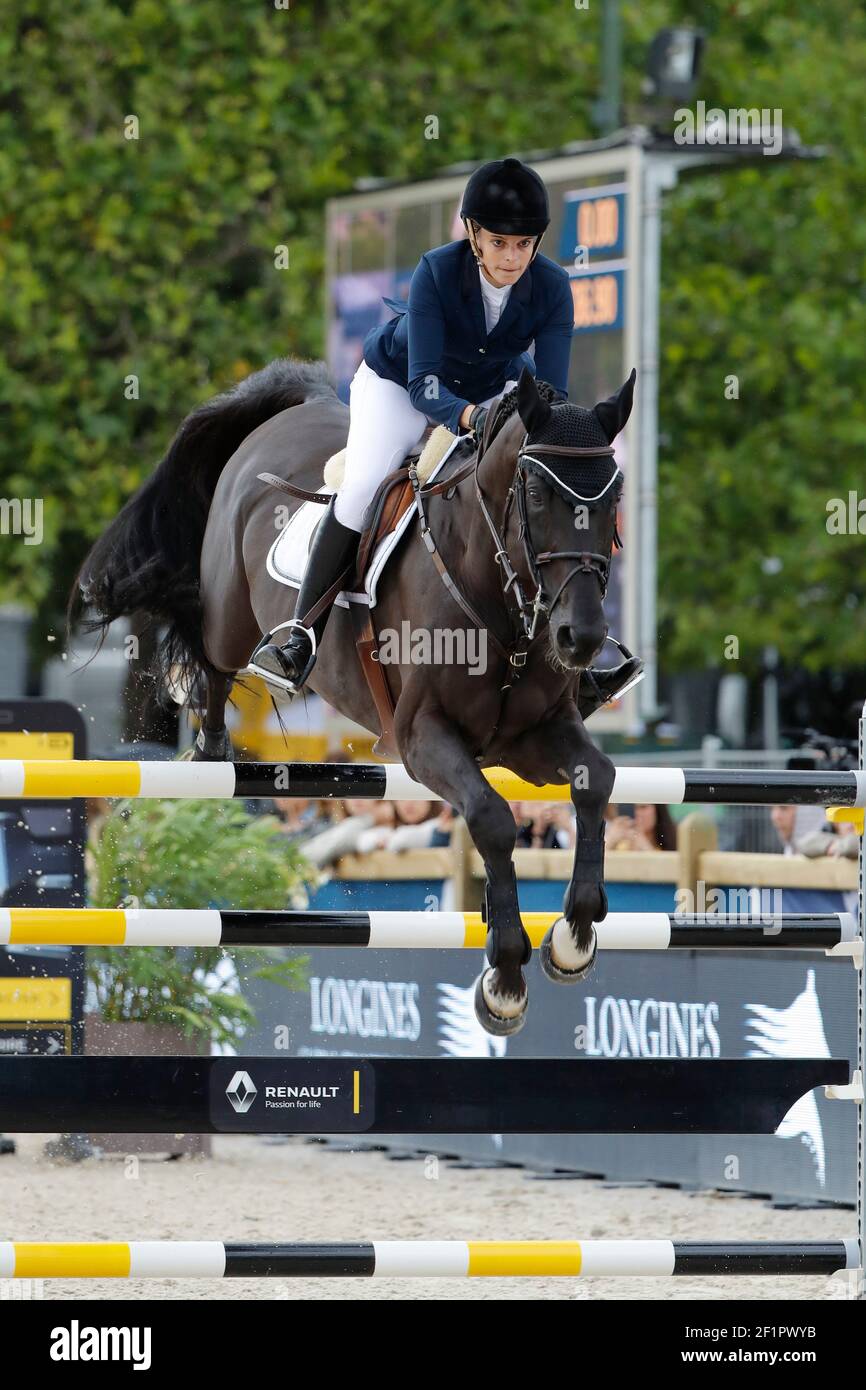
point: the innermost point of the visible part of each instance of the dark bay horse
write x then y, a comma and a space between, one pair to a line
189, 550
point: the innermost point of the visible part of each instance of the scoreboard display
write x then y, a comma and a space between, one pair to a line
41, 865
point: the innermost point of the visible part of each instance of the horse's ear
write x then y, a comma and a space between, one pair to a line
533, 411
613, 413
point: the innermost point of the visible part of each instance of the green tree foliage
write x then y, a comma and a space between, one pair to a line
153, 258
191, 854
763, 279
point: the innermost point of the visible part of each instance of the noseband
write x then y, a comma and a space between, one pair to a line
588, 562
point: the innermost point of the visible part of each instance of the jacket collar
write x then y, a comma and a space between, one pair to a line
470, 288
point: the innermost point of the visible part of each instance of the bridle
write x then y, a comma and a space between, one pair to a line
537, 610
540, 607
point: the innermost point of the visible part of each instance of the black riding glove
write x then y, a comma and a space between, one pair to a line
477, 421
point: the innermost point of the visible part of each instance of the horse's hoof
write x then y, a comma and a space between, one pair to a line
501, 1026
572, 964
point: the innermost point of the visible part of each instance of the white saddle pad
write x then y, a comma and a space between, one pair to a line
287, 556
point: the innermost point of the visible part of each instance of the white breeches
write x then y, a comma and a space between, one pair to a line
383, 426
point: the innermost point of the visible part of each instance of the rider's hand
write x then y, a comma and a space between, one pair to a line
476, 421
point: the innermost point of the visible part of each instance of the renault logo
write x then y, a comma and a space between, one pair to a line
241, 1092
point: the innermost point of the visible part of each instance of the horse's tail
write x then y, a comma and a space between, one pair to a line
147, 561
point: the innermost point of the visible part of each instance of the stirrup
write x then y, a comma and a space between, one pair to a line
629, 685
605, 699
272, 678
636, 679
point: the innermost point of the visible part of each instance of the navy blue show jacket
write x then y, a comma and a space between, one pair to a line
438, 346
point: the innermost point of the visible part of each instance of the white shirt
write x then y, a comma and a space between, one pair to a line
494, 299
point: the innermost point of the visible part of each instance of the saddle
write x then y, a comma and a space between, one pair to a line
391, 500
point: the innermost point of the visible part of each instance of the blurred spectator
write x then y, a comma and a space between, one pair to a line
544, 827
300, 819
844, 840
801, 830
359, 827
420, 825
649, 828
806, 830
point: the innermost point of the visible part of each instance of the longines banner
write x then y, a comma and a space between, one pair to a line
636, 1004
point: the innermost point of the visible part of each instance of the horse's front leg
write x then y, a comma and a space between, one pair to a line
561, 751
437, 756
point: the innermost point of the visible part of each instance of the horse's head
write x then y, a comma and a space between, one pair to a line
567, 487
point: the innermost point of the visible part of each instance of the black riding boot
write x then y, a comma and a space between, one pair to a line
287, 667
599, 685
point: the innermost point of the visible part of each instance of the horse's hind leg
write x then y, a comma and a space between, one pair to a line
213, 744
438, 757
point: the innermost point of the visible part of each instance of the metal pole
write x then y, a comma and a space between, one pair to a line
609, 104
659, 174
861, 1053
770, 698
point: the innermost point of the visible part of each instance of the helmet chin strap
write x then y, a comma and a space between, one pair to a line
472, 242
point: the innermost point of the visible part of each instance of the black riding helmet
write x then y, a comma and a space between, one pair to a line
507, 197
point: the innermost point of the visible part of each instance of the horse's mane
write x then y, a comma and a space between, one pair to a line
507, 407
571, 424
508, 403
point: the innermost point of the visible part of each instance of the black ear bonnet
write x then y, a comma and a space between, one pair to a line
592, 480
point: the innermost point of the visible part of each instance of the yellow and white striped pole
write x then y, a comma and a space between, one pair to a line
412, 931
23, 780
424, 1259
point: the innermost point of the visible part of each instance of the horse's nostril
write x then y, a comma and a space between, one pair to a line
577, 647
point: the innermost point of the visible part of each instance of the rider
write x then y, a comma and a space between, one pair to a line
474, 307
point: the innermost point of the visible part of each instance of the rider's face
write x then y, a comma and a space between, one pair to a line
504, 258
